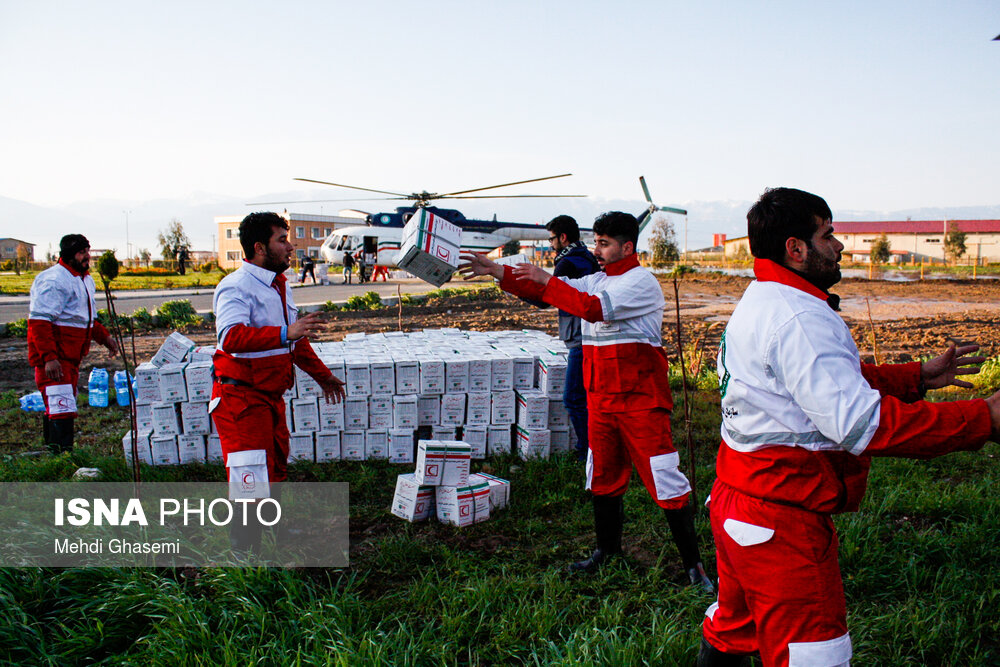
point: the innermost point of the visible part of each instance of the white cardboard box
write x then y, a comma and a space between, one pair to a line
559, 439
352, 445
380, 411
499, 490
331, 416
327, 446
147, 384
558, 416
456, 376
407, 376
463, 505
532, 409
480, 374
288, 414
195, 419
383, 373
524, 371
144, 416
452, 409
145, 453
476, 437
198, 378
164, 449
359, 378
431, 376
173, 387
305, 414
356, 412
376, 444
213, 449
429, 247
439, 432
498, 440
533, 443
404, 411
412, 501
165, 420
191, 448
300, 447
203, 354
503, 411
173, 350
305, 386
401, 445
478, 408
501, 373
442, 462
552, 375
428, 410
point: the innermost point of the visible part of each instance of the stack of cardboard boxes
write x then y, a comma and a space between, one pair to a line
496, 391
443, 485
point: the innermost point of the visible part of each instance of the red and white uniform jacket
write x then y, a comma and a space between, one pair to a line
253, 308
801, 415
621, 308
61, 317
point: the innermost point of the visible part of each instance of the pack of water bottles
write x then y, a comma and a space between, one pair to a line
33, 402
97, 388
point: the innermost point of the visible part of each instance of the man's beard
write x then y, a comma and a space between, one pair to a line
79, 267
822, 272
275, 262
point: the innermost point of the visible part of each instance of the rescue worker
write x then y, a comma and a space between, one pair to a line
625, 375
348, 267
61, 325
801, 419
260, 337
572, 260
308, 269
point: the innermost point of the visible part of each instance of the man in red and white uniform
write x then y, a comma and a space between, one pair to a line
260, 337
61, 324
801, 419
625, 375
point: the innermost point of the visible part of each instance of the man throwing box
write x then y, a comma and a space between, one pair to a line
801, 419
260, 337
625, 375
61, 324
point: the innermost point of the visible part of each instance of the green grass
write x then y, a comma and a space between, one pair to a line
14, 284
919, 564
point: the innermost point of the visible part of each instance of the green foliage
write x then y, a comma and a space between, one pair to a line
663, 243
366, 301
107, 266
511, 247
104, 317
142, 318
681, 269
17, 328
175, 314
172, 240
880, 250
7, 265
209, 267
954, 242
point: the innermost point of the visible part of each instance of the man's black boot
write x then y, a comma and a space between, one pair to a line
245, 539
681, 523
60, 435
709, 656
609, 515
46, 430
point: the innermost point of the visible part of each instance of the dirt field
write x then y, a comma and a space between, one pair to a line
909, 319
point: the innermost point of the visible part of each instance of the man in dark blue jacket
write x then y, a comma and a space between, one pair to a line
573, 260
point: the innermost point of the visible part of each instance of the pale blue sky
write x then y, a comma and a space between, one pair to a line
874, 105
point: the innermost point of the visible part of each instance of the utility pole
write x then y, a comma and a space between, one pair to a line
128, 246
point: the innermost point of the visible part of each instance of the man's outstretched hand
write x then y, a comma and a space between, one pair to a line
944, 370
474, 264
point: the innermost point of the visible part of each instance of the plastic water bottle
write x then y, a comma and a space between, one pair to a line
121, 388
33, 402
97, 388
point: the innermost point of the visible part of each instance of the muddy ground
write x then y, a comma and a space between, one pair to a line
908, 320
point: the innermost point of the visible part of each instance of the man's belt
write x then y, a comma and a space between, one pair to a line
232, 381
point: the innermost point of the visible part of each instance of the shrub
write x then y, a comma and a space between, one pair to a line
366, 301
209, 267
104, 317
177, 314
17, 328
142, 318
7, 265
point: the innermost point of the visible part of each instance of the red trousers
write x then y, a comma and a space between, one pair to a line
246, 419
62, 407
780, 590
619, 440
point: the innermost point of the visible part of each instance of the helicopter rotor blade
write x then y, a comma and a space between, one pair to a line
504, 185
645, 190
321, 201
353, 187
509, 196
668, 209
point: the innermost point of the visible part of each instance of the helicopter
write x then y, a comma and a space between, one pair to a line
380, 236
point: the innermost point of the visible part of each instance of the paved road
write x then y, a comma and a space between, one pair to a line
15, 307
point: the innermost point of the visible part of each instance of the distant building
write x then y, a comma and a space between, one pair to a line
305, 231
909, 240
8, 249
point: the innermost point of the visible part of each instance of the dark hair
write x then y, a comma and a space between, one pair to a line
622, 227
258, 227
563, 224
781, 214
71, 244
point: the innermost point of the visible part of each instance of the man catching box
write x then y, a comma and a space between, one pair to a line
801, 419
625, 375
